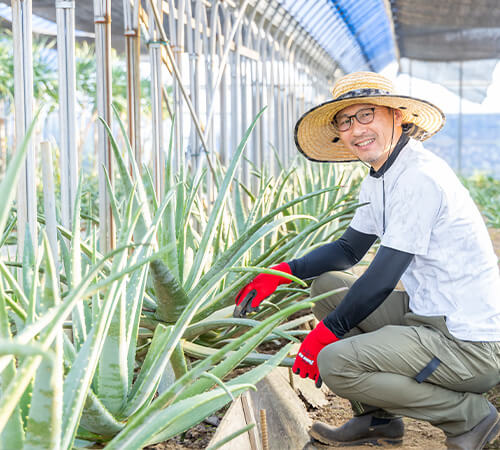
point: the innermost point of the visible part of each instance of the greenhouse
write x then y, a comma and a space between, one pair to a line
200, 198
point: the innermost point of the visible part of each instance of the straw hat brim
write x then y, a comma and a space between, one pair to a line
318, 140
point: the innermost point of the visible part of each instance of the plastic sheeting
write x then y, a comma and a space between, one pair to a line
447, 30
358, 35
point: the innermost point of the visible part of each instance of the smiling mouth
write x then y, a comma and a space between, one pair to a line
364, 143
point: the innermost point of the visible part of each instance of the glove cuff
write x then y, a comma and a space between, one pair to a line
283, 267
324, 334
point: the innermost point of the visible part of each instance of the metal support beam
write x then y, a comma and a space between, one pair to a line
102, 20
157, 153
65, 11
132, 48
23, 93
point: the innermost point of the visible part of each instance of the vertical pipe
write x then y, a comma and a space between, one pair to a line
236, 93
223, 92
191, 64
132, 48
65, 11
195, 70
102, 20
23, 98
156, 95
460, 117
176, 94
211, 94
179, 52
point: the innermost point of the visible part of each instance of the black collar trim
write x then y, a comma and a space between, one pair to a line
403, 140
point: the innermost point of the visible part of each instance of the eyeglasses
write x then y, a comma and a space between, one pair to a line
363, 116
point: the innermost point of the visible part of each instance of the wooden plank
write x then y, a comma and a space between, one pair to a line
233, 420
286, 414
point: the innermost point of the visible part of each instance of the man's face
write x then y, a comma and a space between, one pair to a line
371, 142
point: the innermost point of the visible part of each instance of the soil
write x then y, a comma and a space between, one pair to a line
419, 435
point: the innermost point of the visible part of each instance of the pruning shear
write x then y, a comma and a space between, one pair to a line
245, 306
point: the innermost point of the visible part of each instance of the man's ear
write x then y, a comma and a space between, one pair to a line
398, 117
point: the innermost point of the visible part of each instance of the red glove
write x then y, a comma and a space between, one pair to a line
306, 362
262, 286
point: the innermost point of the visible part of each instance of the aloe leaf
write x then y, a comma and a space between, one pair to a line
13, 433
270, 272
238, 209
148, 376
170, 296
44, 421
134, 301
78, 380
231, 436
249, 340
26, 371
112, 200
202, 254
253, 358
172, 210
77, 315
45, 415
112, 375
12, 282
181, 423
234, 358
96, 418
141, 199
28, 275
229, 257
11, 176
113, 370
176, 418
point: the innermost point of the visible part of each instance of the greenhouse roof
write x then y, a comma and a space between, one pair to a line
358, 38
364, 35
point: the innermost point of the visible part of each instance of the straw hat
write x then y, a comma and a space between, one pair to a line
317, 138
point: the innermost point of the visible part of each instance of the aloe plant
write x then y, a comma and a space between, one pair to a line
98, 377
485, 191
303, 207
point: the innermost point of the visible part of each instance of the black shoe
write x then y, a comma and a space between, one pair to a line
360, 430
475, 439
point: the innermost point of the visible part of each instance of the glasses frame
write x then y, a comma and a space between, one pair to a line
355, 116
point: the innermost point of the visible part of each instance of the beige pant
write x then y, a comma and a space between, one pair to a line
377, 362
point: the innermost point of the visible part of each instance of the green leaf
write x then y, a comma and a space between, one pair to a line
202, 253
170, 296
13, 433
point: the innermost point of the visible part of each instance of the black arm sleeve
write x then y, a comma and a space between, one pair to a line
341, 254
369, 290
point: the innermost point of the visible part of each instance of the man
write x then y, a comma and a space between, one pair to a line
428, 352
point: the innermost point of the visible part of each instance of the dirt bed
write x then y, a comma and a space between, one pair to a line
418, 435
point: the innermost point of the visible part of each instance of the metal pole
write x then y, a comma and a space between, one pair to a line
223, 92
460, 115
102, 20
178, 77
179, 52
132, 48
222, 66
23, 98
65, 11
156, 105
195, 70
173, 26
